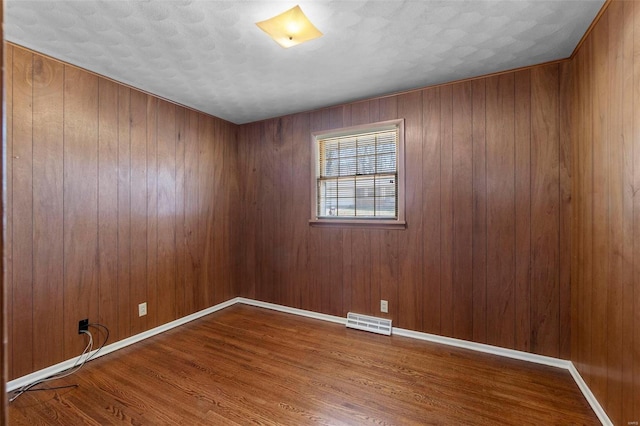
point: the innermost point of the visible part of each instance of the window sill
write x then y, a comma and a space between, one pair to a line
358, 223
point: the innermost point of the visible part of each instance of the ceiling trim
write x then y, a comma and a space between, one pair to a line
587, 33
419, 89
67, 64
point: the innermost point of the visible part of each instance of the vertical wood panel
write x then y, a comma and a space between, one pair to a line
22, 180
446, 211
86, 214
500, 210
7, 210
80, 204
231, 221
216, 274
3, 234
180, 239
410, 240
124, 213
286, 183
479, 213
314, 298
48, 272
462, 301
249, 151
206, 291
138, 293
523, 210
603, 105
152, 212
600, 206
635, 336
545, 199
566, 239
301, 201
615, 212
269, 200
166, 212
470, 194
585, 163
626, 311
191, 230
108, 205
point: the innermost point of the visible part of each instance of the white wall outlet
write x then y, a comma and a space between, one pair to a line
384, 306
142, 309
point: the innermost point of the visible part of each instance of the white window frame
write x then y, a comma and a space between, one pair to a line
347, 221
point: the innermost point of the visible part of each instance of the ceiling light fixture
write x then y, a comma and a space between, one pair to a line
290, 28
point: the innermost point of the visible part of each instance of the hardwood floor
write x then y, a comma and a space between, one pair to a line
250, 365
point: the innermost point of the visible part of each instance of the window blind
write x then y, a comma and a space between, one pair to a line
358, 175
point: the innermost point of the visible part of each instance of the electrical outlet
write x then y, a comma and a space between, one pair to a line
142, 309
384, 306
83, 325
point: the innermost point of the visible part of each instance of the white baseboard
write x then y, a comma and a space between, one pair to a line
449, 341
590, 397
46, 372
295, 311
465, 344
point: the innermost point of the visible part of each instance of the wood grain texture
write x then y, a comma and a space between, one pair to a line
479, 154
431, 267
603, 86
634, 338
138, 289
545, 211
48, 274
387, 258
462, 268
21, 359
108, 204
446, 217
410, 244
101, 211
264, 367
567, 304
522, 138
585, 188
166, 297
7, 63
500, 210
152, 211
462, 150
80, 204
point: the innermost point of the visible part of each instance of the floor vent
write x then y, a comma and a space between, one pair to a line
367, 323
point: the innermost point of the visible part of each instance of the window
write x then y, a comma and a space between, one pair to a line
359, 176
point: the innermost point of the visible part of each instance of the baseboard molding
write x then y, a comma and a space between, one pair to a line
295, 311
591, 399
458, 343
46, 372
449, 341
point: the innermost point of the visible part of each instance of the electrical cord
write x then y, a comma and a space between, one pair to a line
85, 356
106, 338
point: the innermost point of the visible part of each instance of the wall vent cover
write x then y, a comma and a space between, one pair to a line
367, 323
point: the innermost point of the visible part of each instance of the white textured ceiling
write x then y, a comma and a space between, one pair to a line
209, 55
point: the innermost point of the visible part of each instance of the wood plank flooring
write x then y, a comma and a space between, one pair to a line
247, 365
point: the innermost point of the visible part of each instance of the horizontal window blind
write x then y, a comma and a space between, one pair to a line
358, 175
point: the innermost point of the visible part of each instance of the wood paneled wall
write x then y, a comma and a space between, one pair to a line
485, 256
603, 89
114, 198
3, 304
